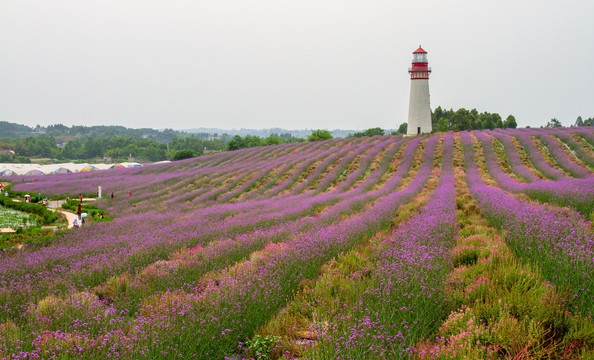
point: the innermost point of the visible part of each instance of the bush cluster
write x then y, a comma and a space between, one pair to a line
92, 210
47, 217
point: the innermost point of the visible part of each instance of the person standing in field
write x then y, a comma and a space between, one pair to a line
111, 196
129, 193
79, 211
80, 198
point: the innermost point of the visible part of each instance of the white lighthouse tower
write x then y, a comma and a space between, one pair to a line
419, 110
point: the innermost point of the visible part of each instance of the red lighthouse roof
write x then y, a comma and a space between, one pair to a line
419, 50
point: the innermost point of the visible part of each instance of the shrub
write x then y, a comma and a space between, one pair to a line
183, 154
47, 217
92, 210
319, 135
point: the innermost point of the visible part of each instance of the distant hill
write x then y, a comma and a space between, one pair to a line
301, 133
11, 130
14, 130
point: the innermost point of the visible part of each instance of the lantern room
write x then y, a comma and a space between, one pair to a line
419, 55
419, 69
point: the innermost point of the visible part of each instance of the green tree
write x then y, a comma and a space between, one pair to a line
14, 130
154, 152
554, 123
461, 120
436, 115
183, 154
374, 132
510, 122
579, 121
403, 128
273, 139
252, 141
319, 135
194, 143
235, 144
442, 124
56, 130
93, 148
496, 120
72, 149
369, 132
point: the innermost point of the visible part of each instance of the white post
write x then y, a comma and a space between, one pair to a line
99, 192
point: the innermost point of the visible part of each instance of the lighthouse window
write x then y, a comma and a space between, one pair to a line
420, 57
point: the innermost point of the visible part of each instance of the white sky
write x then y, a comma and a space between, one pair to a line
290, 64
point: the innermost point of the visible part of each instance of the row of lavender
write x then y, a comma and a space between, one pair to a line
398, 298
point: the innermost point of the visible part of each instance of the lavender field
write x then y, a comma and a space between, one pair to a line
467, 245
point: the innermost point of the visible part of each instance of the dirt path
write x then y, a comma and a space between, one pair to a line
69, 216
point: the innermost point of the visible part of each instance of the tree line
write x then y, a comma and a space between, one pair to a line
463, 119
248, 141
118, 148
579, 122
118, 143
63, 133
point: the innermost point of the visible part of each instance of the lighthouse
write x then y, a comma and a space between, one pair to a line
419, 110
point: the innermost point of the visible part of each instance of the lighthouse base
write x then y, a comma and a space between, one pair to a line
419, 109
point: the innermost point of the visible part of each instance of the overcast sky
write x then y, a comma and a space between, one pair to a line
291, 64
